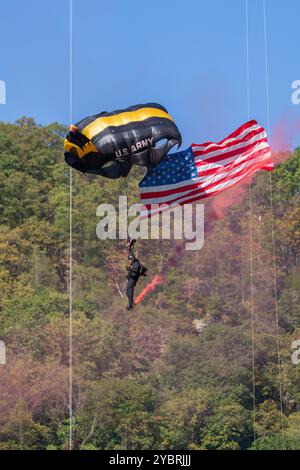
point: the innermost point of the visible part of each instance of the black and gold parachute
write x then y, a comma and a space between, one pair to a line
108, 144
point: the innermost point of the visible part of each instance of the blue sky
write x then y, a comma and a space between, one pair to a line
187, 55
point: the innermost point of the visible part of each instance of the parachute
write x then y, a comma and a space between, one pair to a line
108, 144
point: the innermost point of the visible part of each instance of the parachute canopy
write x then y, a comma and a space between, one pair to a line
140, 135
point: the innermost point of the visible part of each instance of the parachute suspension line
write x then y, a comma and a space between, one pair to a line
292, 295
125, 186
247, 59
279, 361
70, 404
251, 235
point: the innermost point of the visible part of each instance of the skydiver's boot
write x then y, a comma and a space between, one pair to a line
130, 306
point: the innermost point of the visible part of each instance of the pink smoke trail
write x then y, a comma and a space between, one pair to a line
157, 280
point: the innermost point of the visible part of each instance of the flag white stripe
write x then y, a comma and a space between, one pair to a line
242, 135
227, 161
241, 145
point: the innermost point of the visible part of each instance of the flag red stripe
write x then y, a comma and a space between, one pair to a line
233, 153
223, 149
232, 135
225, 166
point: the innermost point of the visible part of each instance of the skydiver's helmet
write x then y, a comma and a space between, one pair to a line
131, 258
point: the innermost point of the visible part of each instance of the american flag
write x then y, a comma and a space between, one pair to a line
205, 170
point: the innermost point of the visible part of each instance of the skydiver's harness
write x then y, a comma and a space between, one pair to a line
136, 268
135, 272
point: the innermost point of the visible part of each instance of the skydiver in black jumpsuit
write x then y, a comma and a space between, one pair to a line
132, 278
135, 270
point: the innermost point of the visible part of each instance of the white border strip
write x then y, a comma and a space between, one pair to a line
70, 234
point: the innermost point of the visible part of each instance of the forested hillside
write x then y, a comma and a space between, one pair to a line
177, 371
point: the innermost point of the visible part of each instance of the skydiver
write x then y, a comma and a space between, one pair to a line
135, 270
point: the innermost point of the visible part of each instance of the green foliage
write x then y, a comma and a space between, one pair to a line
122, 415
182, 417
229, 428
